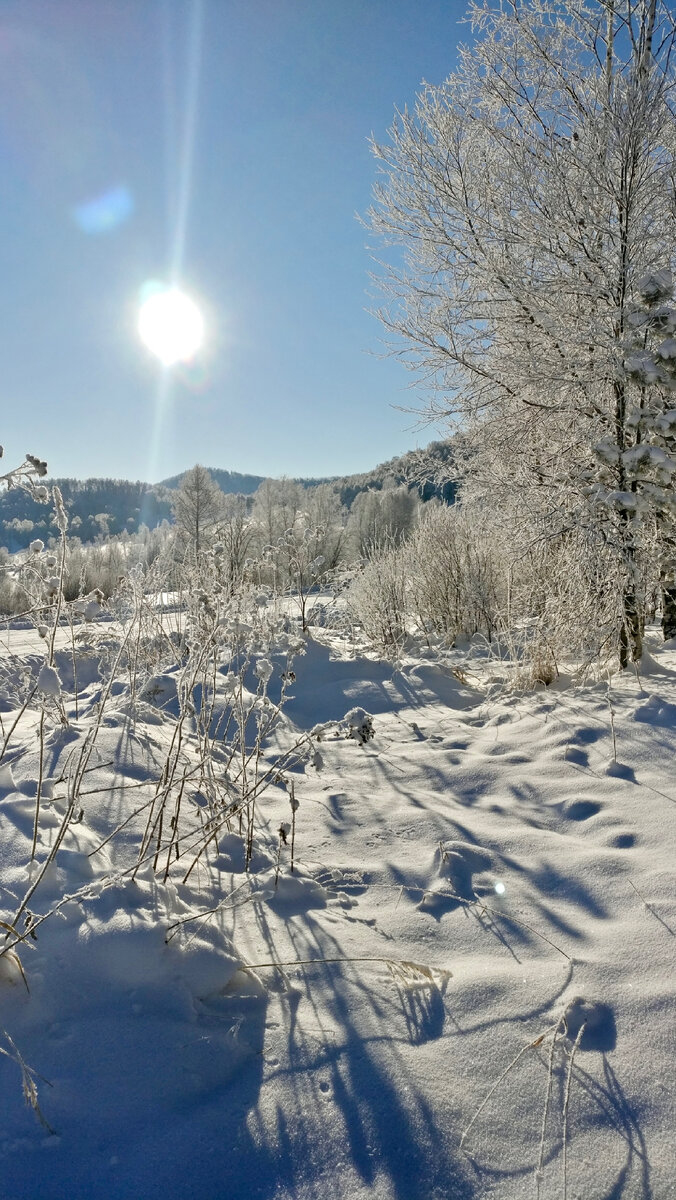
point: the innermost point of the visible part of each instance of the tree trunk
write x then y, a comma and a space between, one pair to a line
631, 633
668, 610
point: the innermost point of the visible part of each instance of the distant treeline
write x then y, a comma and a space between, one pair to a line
100, 508
97, 508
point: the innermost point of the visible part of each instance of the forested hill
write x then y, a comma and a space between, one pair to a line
428, 471
103, 507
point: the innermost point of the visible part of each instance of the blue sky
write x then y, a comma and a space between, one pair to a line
224, 141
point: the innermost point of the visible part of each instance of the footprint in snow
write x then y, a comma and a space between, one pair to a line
458, 862
577, 756
510, 757
623, 841
620, 771
593, 1022
581, 810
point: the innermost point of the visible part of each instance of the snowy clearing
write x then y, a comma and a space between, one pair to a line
463, 879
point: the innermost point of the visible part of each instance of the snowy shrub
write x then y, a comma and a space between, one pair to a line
377, 600
455, 582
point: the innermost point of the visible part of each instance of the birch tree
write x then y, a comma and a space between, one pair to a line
531, 192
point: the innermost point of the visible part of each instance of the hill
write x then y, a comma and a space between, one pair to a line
230, 482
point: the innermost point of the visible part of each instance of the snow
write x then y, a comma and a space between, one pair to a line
482, 886
48, 681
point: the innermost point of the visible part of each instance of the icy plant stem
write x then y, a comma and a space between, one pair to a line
612, 721
352, 958
173, 841
59, 600
61, 833
16, 720
566, 1101
132, 816
293, 826
74, 658
38, 795
29, 1087
162, 790
510, 1067
539, 1173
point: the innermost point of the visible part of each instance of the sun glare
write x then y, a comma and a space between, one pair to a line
171, 326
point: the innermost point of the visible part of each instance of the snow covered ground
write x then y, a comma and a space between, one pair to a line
482, 883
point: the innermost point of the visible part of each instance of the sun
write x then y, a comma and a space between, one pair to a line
171, 326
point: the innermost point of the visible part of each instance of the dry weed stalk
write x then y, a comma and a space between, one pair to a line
553, 1032
28, 1077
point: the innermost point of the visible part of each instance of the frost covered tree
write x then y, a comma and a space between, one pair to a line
235, 535
198, 506
277, 503
328, 516
381, 517
531, 192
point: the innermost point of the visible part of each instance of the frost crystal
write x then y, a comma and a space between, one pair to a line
230, 682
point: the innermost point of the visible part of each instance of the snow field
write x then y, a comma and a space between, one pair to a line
480, 882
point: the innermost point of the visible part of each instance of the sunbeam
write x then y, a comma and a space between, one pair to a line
170, 324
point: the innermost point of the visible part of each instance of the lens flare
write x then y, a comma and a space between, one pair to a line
170, 325
102, 214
